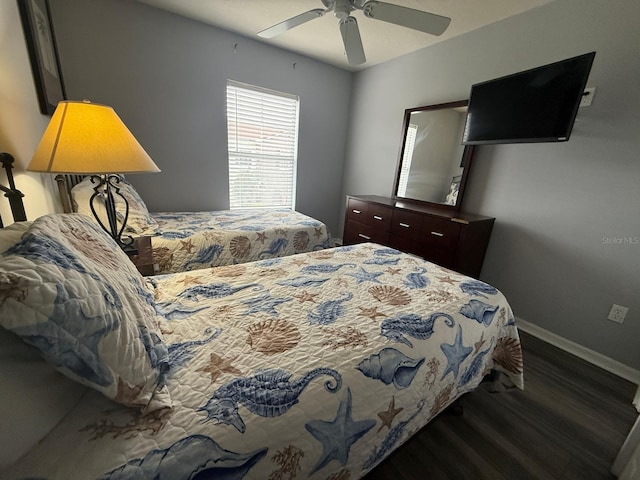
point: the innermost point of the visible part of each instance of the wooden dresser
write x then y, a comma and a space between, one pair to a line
456, 241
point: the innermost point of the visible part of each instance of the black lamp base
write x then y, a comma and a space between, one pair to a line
106, 187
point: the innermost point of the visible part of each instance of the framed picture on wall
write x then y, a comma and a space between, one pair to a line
43, 53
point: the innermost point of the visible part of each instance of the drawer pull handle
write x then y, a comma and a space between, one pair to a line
405, 225
437, 234
376, 217
357, 212
364, 236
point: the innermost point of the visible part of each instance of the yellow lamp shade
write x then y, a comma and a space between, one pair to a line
90, 138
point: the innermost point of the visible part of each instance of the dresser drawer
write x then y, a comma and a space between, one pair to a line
356, 232
357, 210
379, 217
407, 225
440, 234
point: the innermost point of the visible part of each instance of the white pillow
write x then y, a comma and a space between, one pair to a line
139, 222
12, 234
34, 397
68, 290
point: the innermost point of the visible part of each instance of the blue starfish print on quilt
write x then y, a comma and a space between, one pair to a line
264, 303
70, 338
455, 353
338, 435
364, 276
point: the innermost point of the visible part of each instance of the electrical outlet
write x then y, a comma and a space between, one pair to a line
587, 96
617, 313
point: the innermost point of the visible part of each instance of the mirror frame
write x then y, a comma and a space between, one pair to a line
466, 160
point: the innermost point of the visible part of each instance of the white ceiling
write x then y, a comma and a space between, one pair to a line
320, 38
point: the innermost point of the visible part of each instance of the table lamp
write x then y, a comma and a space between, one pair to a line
89, 138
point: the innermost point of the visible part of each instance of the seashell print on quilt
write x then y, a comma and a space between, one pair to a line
240, 246
273, 336
390, 295
508, 354
300, 241
391, 366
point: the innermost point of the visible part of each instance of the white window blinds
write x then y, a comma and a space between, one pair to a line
262, 128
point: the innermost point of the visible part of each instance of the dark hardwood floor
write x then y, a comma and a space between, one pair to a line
568, 423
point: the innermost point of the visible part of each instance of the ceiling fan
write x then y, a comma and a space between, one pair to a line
386, 12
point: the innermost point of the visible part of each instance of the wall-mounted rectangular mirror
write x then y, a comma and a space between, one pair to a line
433, 164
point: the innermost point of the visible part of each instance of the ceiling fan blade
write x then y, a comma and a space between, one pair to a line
291, 23
407, 17
352, 41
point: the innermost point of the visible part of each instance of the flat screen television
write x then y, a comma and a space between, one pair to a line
537, 105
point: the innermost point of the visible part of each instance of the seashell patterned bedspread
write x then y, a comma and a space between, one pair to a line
315, 365
192, 240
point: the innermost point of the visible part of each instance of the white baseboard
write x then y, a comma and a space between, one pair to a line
602, 361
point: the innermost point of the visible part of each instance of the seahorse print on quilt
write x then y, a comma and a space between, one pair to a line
264, 303
206, 256
328, 312
269, 393
412, 325
417, 280
214, 290
325, 268
275, 247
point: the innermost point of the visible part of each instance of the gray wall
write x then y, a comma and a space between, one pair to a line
556, 205
165, 76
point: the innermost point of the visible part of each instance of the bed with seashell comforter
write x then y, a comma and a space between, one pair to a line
184, 241
192, 240
315, 365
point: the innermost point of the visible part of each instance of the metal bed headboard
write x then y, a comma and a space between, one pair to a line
11, 192
65, 183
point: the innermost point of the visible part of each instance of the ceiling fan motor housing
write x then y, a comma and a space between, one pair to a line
341, 8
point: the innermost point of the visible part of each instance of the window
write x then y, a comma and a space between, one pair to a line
262, 128
409, 146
